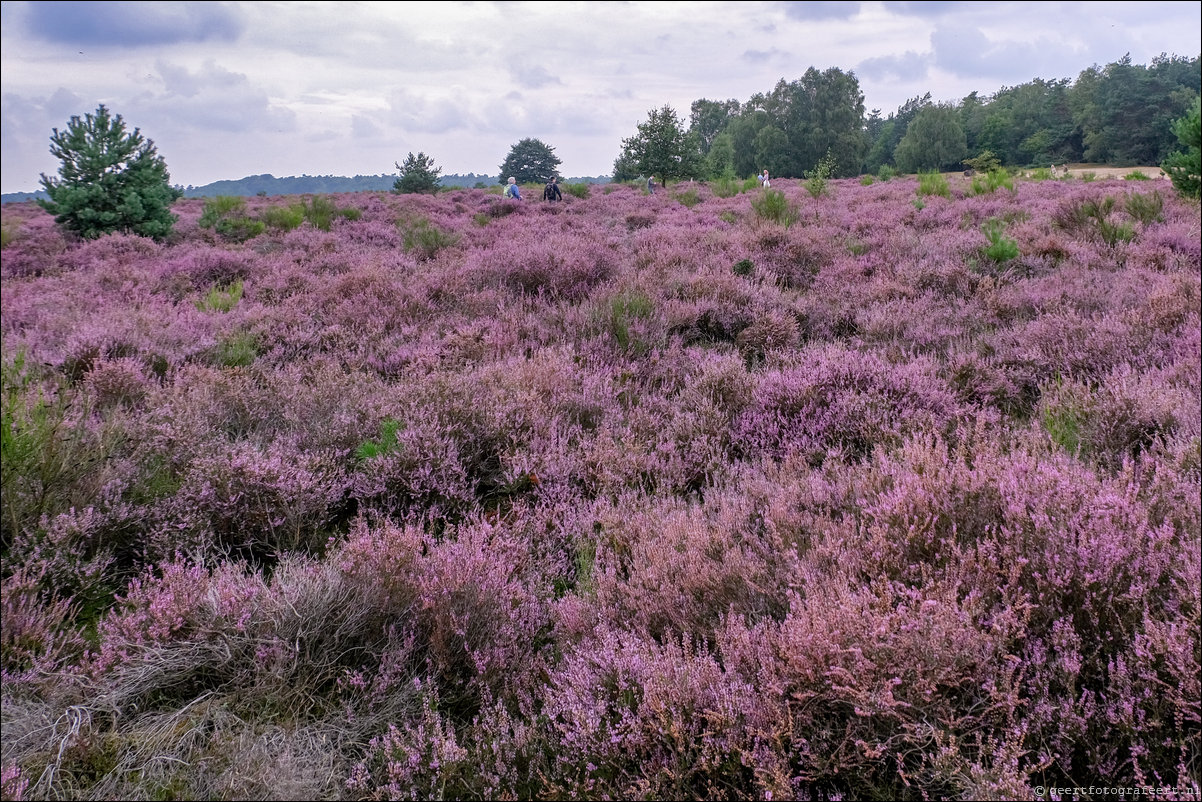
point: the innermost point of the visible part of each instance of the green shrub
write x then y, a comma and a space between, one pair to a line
866, 180
987, 183
221, 299
818, 179
226, 215
283, 218
239, 349
689, 197
1041, 174
1001, 248
774, 206
743, 267
983, 162
623, 309
418, 175
7, 234
1137, 175
386, 443
49, 457
1146, 208
320, 212
933, 183
578, 190
726, 187
423, 239
885, 172
1185, 167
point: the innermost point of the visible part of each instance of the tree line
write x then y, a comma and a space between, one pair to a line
1120, 114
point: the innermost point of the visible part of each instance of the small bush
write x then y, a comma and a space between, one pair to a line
885, 172
320, 212
866, 180
578, 190
818, 180
239, 349
774, 206
1137, 175
726, 187
984, 162
1001, 248
1147, 209
984, 184
227, 216
283, 218
221, 299
743, 267
933, 184
689, 197
423, 239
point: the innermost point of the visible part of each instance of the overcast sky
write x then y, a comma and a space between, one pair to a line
227, 90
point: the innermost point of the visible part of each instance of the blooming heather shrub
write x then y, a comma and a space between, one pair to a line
555, 264
838, 400
671, 569
603, 553
484, 617
261, 502
1119, 420
770, 332
631, 717
118, 383
37, 631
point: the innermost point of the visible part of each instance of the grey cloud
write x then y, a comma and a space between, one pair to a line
363, 127
758, 57
966, 52
414, 113
909, 66
931, 9
130, 24
214, 98
533, 77
821, 10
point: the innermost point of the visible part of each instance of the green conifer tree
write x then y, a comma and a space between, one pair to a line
109, 180
418, 176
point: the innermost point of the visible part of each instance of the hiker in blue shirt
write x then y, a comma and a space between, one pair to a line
511, 189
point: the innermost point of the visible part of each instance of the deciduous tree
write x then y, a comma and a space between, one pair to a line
530, 161
663, 148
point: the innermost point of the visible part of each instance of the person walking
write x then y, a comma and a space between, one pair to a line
551, 191
650, 185
764, 180
512, 190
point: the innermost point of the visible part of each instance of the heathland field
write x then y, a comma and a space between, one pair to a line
877, 489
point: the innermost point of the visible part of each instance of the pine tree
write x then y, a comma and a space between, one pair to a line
418, 176
1185, 167
109, 180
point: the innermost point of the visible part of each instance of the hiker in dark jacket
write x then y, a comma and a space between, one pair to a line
551, 191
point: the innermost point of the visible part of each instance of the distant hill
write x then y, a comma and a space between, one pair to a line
268, 184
